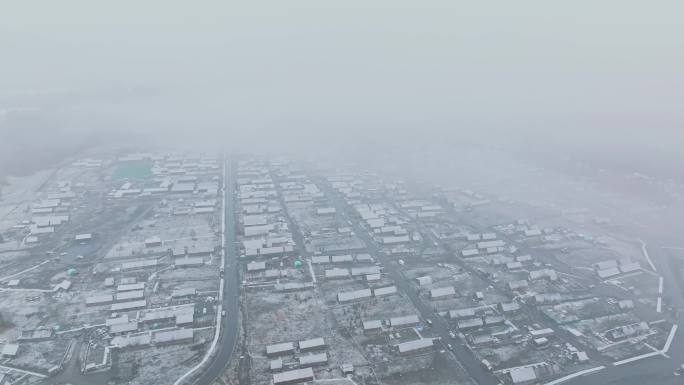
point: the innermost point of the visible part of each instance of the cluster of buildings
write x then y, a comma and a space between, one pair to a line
135, 268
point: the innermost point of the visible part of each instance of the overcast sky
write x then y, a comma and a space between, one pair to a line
286, 72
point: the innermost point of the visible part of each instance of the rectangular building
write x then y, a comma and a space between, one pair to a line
313, 359
419, 345
382, 291
469, 323
336, 273
129, 295
490, 244
342, 258
348, 296
404, 321
366, 270
320, 259
10, 350
462, 313
131, 287
122, 328
126, 306
95, 300
312, 344
293, 376
372, 326
256, 266
280, 349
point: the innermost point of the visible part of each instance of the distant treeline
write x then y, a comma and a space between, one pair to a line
31, 142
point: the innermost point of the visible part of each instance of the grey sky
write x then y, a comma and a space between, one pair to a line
352, 71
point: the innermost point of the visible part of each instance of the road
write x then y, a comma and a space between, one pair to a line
440, 326
231, 289
297, 236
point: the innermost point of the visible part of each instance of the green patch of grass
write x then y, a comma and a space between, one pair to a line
133, 170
